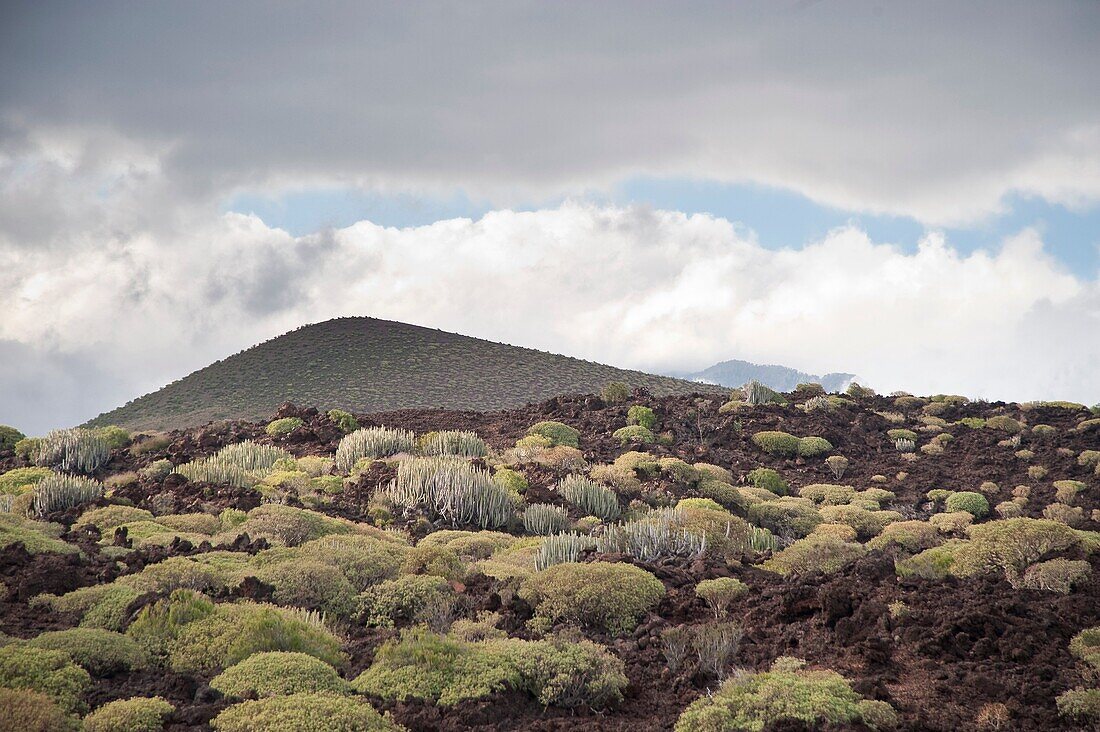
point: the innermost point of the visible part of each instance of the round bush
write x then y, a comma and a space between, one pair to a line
9, 436
813, 446
777, 443
640, 415
25, 710
279, 673
98, 651
283, 427
303, 713
609, 596
973, 503
364, 560
344, 420
557, 432
312, 585
138, 714
633, 433
49, 672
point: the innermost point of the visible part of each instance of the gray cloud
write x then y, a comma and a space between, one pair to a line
930, 109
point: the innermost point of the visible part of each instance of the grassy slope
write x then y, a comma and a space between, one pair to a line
369, 365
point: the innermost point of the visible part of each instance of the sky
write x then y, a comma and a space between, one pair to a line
906, 191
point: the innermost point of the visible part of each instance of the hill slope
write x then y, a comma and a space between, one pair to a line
371, 365
735, 373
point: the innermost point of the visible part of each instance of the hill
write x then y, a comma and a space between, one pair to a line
735, 373
370, 365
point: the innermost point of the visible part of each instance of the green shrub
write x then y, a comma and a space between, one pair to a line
1004, 424
401, 599
100, 606
157, 470
1081, 705
935, 563
364, 560
777, 443
302, 712
719, 593
1056, 575
828, 493
866, 523
423, 665
115, 436
643, 416
1086, 646
974, 423
26, 710
911, 536
49, 672
279, 673
786, 517
615, 392
37, 537
685, 503
815, 553
973, 503
283, 427
345, 421
590, 497
1013, 545
9, 436
817, 698
768, 479
633, 434
192, 523
472, 544
813, 446
137, 714
512, 481
566, 674
434, 559
901, 434
609, 596
177, 573
99, 652
290, 526
312, 585
20, 480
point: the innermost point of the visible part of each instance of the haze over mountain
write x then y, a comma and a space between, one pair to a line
781, 378
371, 365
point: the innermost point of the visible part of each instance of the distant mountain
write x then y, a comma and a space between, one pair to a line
781, 378
370, 365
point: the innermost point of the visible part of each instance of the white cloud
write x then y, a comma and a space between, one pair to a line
628, 286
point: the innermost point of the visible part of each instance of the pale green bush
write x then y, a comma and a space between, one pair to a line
137, 714
608, 596
557, 432
48, 672
303, 713
26, 710
815, 553
279, 673
99, 652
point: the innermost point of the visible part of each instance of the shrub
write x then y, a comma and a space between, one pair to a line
49, 672
1082, 705
453, 442
720, 593
911, 536
844, 532
401, 599
777, 443
973, 503
345, 421
137, 714
768, 479
26, 710
512, 481
75, 451
686, 503
283, 427
9, 436
1056, 575
1013, 545
817, 698
100, 606
590, 497
1008, 509
61, 492
608, 596
545, 519
633, 433
679, 471
615, 392
838, 464
1069, 515
643, 416
20, 480
279, 673
1086, 646
901, 434
434, 559
813, 446
1004, 424
176, 573
312, 585
716, 644
99, 652
473, 544
815, 553
300, 712
290, 526
787, 517
1089, 458
1066, 491
567, 674
827, 493
935, 563
115, 436
952, 522
363, 560
866, 523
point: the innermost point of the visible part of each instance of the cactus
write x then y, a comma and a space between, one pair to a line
545, 519
242, 465
658, 534
560, 549
451, 442
76, 451
61, 492
904, 444
450, 489
761, 539
592, 498
372, 442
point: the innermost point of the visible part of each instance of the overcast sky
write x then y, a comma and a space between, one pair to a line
907, 191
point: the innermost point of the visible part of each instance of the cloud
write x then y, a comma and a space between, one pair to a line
933, 110
625, 285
